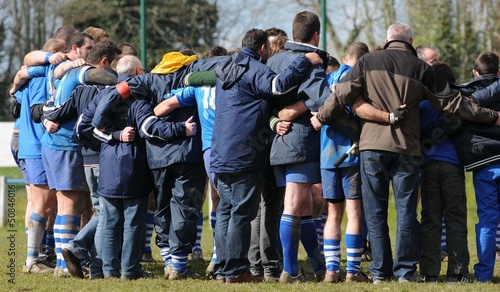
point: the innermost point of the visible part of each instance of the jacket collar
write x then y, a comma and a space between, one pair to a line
250, 53
400, 45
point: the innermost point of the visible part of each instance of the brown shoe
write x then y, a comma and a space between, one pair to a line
286, 278
175, 275
331, 277
37, 268
246, 277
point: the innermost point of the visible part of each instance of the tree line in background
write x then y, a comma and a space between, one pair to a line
460, 29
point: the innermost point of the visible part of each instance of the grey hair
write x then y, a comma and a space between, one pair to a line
422, 49
400, 32
128, 64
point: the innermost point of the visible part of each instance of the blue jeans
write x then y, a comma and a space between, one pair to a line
239, 204
486, 185
378, 169
84, 242
92, 177
122, 229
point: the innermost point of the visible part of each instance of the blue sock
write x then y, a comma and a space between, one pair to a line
179, 262
150, 217
354, 251
199, 229
213, 220
309, 239
332, 254
290, 237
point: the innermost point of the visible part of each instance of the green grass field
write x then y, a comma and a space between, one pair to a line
11, 264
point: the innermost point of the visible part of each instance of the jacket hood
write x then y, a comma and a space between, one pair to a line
231, 70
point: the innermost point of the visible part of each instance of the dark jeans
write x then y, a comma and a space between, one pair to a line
443, 193
378, 169
264, 252
178, 192
239, 204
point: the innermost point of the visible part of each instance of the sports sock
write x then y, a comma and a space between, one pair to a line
290, 237
150, 216
443, 235
165, 254
179, 262
70, 225
309, 239
332, 254
354, 250
35, 235
199, 229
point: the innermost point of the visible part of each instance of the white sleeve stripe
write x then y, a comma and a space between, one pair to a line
78, 122
275, 91
81, 76
102, 135
144, 125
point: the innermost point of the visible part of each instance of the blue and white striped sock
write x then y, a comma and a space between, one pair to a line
332, 254
319, 230
213, 220
166, 256
497, 237
199, 229
57, 241
354, 251
35, 235
443, 235
179, 262
69, 227
150, 217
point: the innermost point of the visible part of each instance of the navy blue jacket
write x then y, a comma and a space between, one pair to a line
478, 145
153, 87
301, 143
489, 95
241, 137
124, 169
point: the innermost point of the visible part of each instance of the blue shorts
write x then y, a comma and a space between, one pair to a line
14, 149
36, 171
206, 159
64, 170
341, 183
306, 172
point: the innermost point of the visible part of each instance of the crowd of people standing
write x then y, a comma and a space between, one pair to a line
110, 152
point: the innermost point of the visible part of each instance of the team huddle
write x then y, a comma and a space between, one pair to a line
280, 136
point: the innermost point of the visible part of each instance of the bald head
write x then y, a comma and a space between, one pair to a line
129, 64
